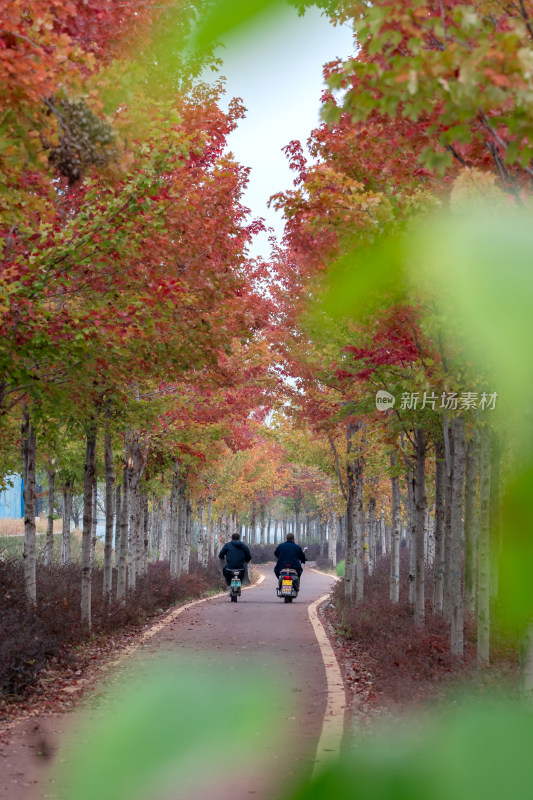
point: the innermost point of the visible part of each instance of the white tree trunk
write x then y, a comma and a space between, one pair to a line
456, 550
118, 518
202, 544
262, 523
28, 444
359, 533
396, 533
495, 513
209, 530
88, 486
173, 523
349, 562
67, 514
412, 535
471, 523
134, 565
182, 525
93, 522
526, 667
332, 539
49, 552
448, 494
145, 531
371, 535
440, 482
420, 519
109, 494
188, 537
483, 587
124, 519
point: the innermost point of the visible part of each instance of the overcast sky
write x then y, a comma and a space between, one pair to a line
277, 70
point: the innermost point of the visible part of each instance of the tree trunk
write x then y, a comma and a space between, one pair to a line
209, 531
202, 544
430, 528
188, 537
420, 528
93, 522
448, 448
483, 559
88, 486
359, 533
156, 529
182, 523
49, 552
124, 519
109, 492
349, 562
262, 523
440, 484
412, 535
146, 533
134, 565
118, 517
67, 513
297, 506
253, 525
165, 530
456, 554
471, 523
29, 447
396, 532
371, 534
173, 525
342, 531
526, 667
332, 539
495, 514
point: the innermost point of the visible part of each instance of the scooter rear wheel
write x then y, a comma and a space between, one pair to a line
233, 598
288, 599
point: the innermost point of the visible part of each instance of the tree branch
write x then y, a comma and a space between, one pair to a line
337, 467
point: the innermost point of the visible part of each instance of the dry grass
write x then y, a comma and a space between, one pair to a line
15, 527
13, 546
11, 527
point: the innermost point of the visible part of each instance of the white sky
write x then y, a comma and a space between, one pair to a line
276, 68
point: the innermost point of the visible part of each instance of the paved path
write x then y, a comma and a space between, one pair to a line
255, 628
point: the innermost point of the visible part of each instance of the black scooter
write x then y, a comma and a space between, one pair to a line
235, 585
288, 584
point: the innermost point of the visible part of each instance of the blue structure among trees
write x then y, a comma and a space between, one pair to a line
11, 499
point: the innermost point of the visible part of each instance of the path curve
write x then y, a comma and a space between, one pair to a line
258, 624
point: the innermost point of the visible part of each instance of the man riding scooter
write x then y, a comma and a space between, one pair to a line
290, 555
237, 555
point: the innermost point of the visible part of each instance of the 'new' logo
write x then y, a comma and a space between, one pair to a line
384, 400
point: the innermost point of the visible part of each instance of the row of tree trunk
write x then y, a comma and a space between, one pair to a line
460, 543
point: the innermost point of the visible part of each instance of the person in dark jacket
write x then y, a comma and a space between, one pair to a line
289, 554
237, 555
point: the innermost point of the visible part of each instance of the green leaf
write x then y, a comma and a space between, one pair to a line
363, 278
165, 727
478, 753
226, 17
